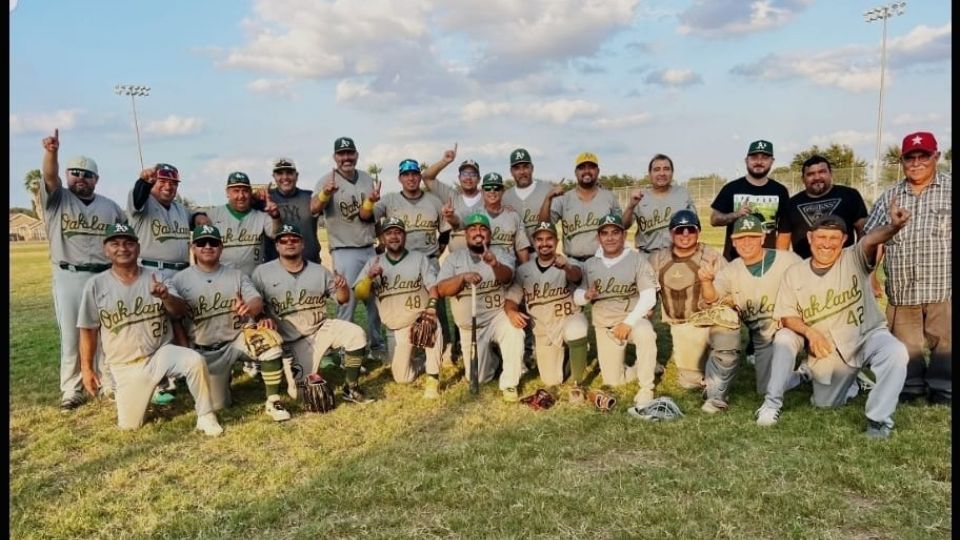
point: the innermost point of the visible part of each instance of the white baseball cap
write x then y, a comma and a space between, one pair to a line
83, 162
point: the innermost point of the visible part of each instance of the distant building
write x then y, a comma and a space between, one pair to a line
24, 228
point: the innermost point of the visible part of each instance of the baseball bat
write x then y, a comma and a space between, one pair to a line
474, 361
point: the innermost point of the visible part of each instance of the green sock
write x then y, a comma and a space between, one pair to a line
272, 372
578, 359
351, 365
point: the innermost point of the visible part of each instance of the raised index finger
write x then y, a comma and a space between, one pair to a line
56, 134
454, 147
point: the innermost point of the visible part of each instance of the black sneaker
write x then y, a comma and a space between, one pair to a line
71, 403
877, 430
352, 393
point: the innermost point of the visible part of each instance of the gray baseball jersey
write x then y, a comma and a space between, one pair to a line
463, 206
342, 212
401, 290
75, 229
653, 214
210, 296
297, 302
678, 281
527, 202
490, 293
243, 236
422, 217
618, 286
133, 323
295, 209
839, 303
755, 296
164, 233
507, 236
580, 220
548, 295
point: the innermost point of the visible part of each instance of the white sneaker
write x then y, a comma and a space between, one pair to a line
251, 368
642, 398
208, 425
431, 388
290, 372
275, 409
767, 416
713, 406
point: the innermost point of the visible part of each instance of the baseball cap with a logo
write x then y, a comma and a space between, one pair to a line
923, 141
545, 226
469, 163
238, 179
409, 165
586, 157
288, 229
284, 164
118, 230
760, 147
205, 231
748, 225
393, 223
611, 219
344, 144
167, 172
83, 162
492, 179
476, 219
520, 155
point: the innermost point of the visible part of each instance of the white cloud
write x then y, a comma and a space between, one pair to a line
848, 137
619, 122
276, 87
730, 18
559, 111
479, 109
173, 126
44, 123
219, 168
673, 77
911, 119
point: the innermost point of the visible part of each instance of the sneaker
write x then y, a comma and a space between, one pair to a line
276, 411
576, 394
251, 368
713, 406
353, 394
804, 372
752, 359
168, 385
866, 383
431, 388
877, 430
643, 398
71, 403
208, 425
510, 395
161, 398
767, 416
292, 372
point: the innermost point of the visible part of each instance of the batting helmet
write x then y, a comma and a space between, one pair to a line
684, 218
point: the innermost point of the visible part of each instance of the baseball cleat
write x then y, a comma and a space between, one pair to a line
877, 430
208, 425
71, 403
510, 395
643, 398
431, 388
713, 406
276, 411
353, 394
767, 416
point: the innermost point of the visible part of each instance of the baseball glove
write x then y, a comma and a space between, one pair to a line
318, 395
723, 316
262, 343
661, 409
539, 400
423, 333
602, 400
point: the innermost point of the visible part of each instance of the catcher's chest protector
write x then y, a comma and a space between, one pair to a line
680, 287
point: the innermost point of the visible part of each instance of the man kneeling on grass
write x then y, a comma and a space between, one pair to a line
127, 307
826, 299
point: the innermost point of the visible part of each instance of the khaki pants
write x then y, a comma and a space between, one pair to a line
916, 326
610, 355
401, 352
333, 333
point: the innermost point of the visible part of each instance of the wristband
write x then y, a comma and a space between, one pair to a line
367, 205
323, 197
432, 303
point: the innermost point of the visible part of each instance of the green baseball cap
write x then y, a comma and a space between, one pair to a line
344, 144
520, 155
205, 231
477, 219
119, 229
238, 179
288, 229
545, 226
393, 223
611, 219
748, 225
492, 179
761, 147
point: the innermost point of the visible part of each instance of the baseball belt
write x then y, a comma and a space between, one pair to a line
214, 347
160, 265
93, 267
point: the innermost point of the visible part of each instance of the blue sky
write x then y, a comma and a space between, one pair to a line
237, 83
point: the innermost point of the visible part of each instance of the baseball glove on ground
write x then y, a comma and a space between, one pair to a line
602, 400
262, 343
661, 409
723, 316
539, 400
318, 395
423, 334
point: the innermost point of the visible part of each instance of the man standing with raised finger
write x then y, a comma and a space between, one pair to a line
76, 221
294, 206
527, 195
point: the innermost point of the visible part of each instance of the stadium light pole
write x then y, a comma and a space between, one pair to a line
134, 91
882, 13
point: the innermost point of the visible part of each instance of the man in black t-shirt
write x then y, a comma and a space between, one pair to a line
754, 193
819, 198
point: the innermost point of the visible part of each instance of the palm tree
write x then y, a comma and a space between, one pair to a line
33, 183
374, 170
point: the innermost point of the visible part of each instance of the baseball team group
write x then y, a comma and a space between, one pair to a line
156, 292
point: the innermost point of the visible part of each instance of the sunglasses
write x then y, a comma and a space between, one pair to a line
469, 175
288, 240
917, 158
493, 188
80, 173
686, 229
207, 242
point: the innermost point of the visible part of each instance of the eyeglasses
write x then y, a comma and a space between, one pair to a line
917, 158
470, 174
493, 188
80, 173
288, 240
686, 229
207, 242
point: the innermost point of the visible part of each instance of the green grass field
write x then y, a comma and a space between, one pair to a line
459, 467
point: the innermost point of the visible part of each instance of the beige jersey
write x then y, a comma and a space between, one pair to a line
298, 302
653, 214
618, 287
164, 233
422, 217
580, 220
210, 296
133, 323
679, 285
75, 229
342, 212
243, 236
462, 207
839, 303
548, 295
755, 297
507, 236
529, 206
490, 293
402, 289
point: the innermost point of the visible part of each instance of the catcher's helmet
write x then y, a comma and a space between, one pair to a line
684, 218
